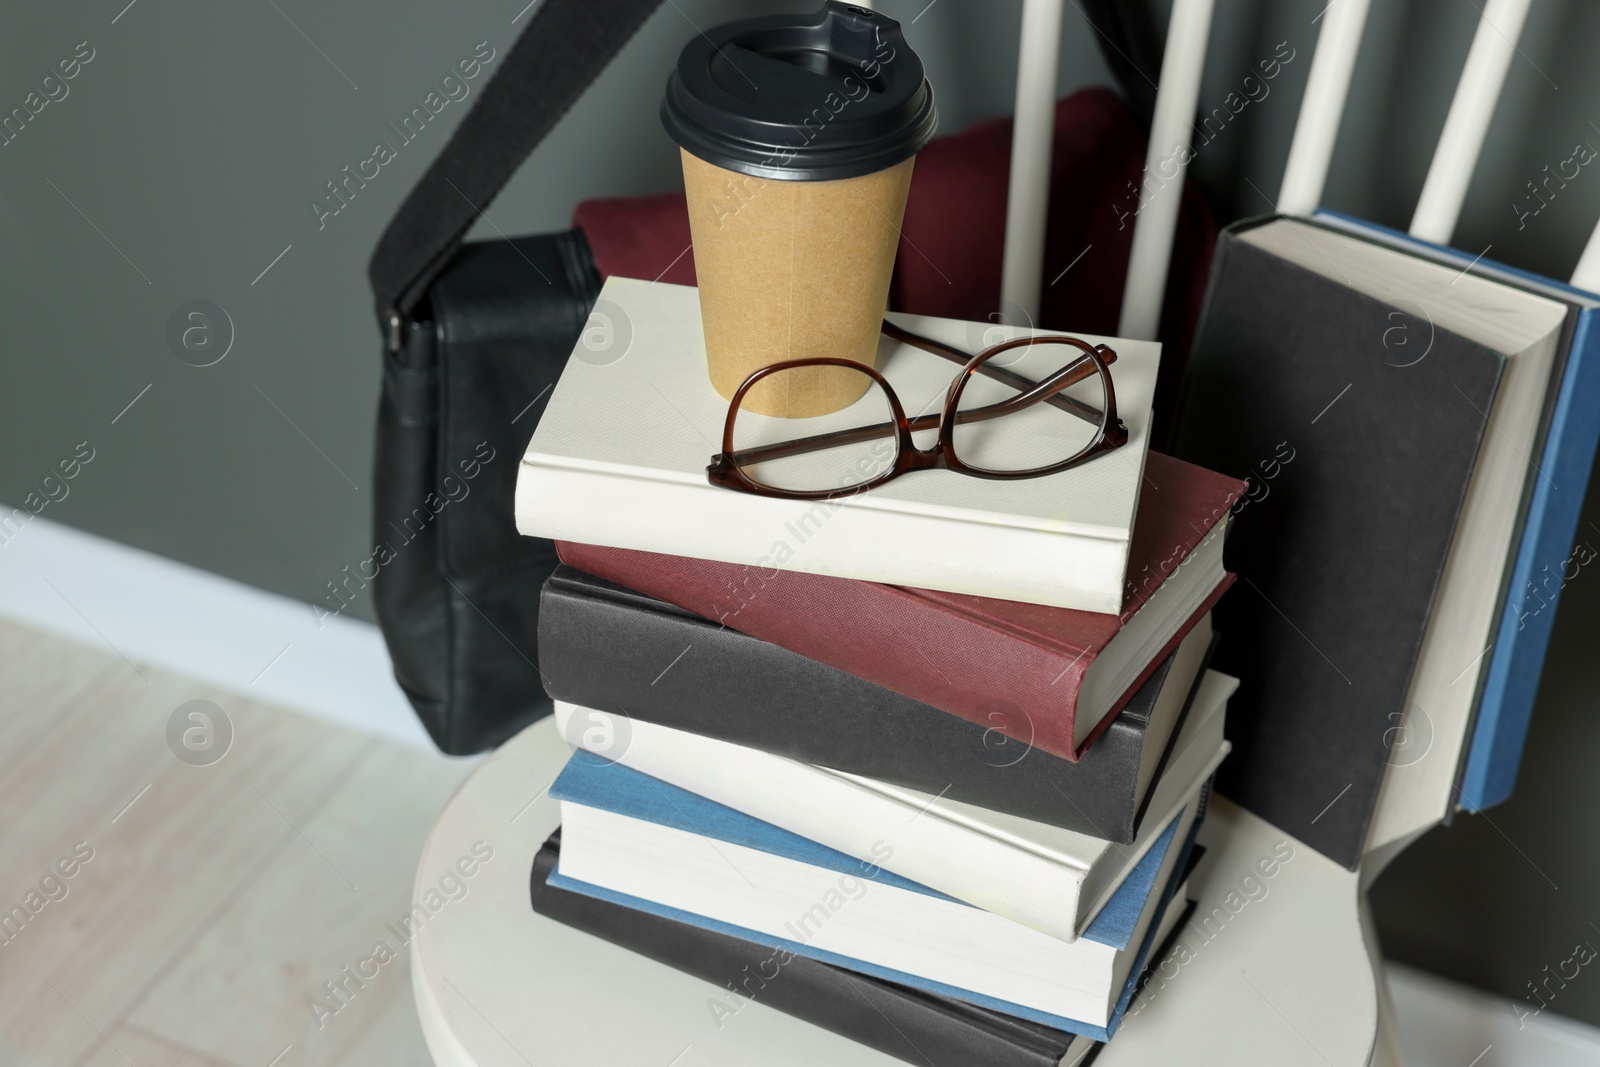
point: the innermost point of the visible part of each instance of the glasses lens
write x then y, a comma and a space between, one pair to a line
819, 453
1046, 404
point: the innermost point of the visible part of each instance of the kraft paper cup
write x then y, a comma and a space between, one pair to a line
793, 270
798, 134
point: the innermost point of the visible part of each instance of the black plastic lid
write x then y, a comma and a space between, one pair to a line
834, 94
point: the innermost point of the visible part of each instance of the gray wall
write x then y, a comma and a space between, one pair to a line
182, 160
191, 144
1496, 898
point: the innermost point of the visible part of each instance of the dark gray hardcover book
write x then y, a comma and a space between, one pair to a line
616, 650
1360, 462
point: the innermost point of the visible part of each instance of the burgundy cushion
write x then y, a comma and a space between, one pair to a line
639, 236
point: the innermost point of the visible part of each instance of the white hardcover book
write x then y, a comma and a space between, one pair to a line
620, 454
1041, 876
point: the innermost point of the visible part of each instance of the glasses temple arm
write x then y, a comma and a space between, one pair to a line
987, 368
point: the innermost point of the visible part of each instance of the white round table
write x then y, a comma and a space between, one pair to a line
1285, 980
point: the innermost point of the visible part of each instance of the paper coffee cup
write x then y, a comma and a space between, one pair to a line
798, 134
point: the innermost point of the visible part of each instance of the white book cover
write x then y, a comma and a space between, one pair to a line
1042, 876
620, 455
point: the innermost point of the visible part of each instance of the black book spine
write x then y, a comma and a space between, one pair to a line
615, 650
905, 1023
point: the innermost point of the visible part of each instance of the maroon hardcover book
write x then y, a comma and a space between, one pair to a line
1020, 669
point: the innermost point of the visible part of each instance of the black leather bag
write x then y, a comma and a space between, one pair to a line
474, 338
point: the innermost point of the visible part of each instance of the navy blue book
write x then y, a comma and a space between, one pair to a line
640, 843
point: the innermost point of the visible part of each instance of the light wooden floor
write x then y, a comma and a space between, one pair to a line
218, 899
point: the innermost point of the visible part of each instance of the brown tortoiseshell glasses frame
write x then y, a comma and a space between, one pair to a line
725, 469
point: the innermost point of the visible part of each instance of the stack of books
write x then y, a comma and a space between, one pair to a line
924, 765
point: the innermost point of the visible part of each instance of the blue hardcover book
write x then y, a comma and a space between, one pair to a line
594, 783
1546, 558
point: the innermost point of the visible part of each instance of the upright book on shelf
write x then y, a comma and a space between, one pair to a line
1550, 550
620, 454
1383, 499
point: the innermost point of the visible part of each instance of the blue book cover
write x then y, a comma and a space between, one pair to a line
595, 782
1546, 558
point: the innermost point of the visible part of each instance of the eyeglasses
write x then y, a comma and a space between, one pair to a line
1048, 406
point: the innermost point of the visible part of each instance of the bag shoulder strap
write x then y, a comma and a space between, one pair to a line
564, 48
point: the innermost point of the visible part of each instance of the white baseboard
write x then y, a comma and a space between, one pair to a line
1444, 1024
152, 610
